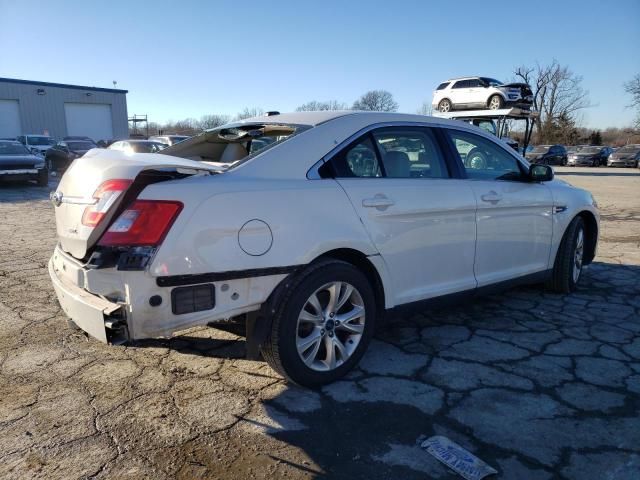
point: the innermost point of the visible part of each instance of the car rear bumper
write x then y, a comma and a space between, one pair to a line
88, 311
83, 292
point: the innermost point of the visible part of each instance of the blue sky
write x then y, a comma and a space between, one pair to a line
186, 59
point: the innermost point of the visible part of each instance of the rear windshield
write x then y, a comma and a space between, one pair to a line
234, 144
7, 148
38, 140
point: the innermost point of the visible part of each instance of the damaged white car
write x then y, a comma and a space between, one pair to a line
308, 226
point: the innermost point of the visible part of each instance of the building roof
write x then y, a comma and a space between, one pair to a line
61, 85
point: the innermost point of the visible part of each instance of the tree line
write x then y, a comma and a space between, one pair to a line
558, 94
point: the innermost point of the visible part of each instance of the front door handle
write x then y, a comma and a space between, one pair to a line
379, 201
491, 197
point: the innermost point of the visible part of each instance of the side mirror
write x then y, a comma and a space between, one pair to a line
540, 173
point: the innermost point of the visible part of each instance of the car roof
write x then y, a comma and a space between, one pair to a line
462, 78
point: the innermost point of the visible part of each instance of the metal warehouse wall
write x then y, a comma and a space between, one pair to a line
46, 112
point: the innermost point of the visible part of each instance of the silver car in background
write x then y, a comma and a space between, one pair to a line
627, 156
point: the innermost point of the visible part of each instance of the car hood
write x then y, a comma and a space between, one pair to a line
26, 160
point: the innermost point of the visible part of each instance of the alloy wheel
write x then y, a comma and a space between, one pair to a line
330, 326
494, 104
577, 256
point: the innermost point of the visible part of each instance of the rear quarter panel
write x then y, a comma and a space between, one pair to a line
306, 217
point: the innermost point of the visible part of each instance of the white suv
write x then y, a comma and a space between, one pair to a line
480, 92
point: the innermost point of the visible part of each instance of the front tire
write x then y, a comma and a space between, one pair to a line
323, 325
445, 105
496, 102
567, 268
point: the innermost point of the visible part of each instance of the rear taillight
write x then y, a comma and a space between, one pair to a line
143, 223
106, 195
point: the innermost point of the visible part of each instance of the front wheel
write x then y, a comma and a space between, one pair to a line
567, 268
323, 326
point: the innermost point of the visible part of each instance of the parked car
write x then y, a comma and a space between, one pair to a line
138, 146
169, 139
480, 92
548, 155
60, 156
627, 156
18, 163
37, 144
590, 156
311, 237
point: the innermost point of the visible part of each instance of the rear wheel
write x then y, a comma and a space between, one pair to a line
567, 268
323, 326
496, 102
445, 105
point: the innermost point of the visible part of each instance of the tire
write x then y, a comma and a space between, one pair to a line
563, 278
564, 162
496, 102
445, 105
295, 315
43, 177
476, 159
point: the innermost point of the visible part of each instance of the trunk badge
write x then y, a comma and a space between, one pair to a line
56, 198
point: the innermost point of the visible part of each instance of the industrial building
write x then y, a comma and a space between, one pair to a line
59, 110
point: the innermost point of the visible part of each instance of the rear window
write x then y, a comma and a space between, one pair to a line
80, 145
38, 140
442, 86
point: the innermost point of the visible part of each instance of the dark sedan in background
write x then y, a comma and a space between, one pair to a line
627, 156
589, 156
547, 155
60, 156
18, 163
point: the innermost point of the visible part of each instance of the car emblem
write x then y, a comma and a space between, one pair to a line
56, 198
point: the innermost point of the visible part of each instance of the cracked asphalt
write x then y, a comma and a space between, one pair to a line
538, 385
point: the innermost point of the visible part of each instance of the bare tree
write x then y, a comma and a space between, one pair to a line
632, 87
425, 108
249, 112
212, 121
557, 94
376, 100
314, 105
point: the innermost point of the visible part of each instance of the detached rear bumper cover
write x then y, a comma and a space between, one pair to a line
88, 311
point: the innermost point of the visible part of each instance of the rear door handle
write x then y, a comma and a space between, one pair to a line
381, 202
491, 197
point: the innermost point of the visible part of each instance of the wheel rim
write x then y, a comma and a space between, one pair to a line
495, 103
330, 326
577, 256
445, 106
477, 161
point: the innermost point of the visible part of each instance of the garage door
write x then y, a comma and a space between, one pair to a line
9, 119
89, 120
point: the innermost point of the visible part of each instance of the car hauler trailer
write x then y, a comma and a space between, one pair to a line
499, 119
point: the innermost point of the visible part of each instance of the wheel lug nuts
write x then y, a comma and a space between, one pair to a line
322, 332
331, 334
331, 315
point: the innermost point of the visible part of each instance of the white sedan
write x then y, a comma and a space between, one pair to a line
309, 226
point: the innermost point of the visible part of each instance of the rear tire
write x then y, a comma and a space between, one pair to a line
445, 105
304, 313
567, 268
496, 102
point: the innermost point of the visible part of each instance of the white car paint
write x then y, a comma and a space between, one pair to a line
422, 245
477, 95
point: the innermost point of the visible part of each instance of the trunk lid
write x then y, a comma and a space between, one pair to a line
77, 187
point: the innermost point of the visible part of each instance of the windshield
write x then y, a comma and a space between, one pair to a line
10, 148
492, 82
540, 149
38, 140
629, 149
80, 145
486, 125
590, 150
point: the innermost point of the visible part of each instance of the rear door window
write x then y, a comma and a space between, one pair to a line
360, 159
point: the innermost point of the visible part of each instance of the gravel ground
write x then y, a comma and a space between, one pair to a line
538, 385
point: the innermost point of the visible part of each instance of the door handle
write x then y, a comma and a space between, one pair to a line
381, 202
491, 197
